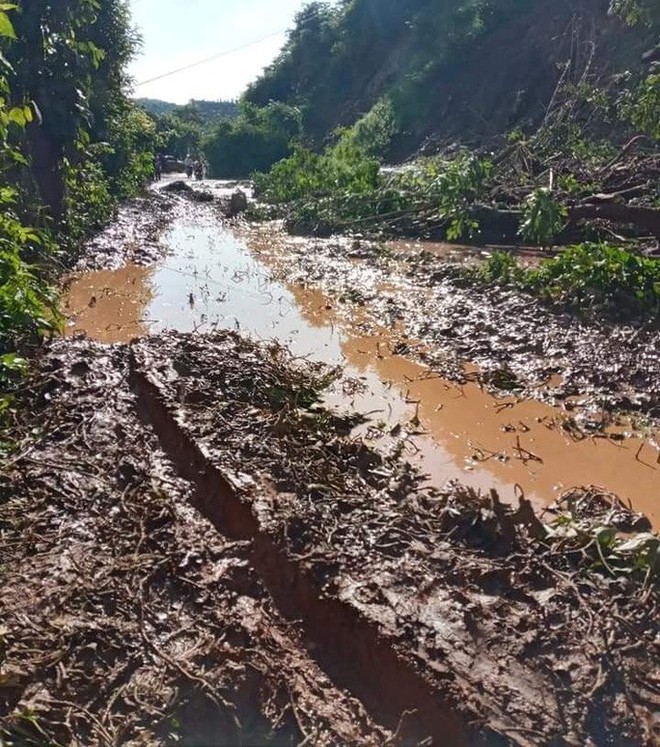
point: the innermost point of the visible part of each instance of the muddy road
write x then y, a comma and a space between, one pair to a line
246, 525
505, 396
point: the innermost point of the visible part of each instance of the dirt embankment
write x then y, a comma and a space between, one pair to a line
329, 600
544, 43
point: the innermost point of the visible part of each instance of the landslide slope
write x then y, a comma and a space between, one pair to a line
460, 69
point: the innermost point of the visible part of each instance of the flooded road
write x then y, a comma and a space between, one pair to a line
213, 277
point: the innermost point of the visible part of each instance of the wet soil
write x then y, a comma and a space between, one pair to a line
126, 617
328, 597
544, 354
454, 420
211, 540
134, 235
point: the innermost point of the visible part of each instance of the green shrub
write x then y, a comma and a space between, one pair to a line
343, 188
611, 279
597, 279
543, 218
89, 201
28, 304
342, 171
501, 267
373, 132
459, 185
257, 139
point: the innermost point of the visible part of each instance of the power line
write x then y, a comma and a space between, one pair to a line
211, 58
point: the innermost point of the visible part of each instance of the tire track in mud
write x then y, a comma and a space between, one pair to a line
129, 595
347, 646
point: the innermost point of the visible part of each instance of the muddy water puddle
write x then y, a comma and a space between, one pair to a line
212, 279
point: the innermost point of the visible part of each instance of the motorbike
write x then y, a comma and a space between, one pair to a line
198, 171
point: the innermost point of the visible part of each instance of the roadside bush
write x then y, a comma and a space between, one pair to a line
597, 279
128, 158
28, 304
616, 282
459, 185
89, 201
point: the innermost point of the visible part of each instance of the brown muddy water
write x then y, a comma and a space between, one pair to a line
214, 277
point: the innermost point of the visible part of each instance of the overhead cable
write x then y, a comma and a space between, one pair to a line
211, 58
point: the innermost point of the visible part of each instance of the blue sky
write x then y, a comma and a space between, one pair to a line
179, 32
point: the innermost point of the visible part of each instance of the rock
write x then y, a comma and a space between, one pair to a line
178, 186
238, 203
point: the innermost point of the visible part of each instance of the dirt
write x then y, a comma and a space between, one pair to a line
328, 597
212, 540
542, 354
126, 618
134, 235
218, 276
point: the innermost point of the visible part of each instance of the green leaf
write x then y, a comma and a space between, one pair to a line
17, 116
6, 28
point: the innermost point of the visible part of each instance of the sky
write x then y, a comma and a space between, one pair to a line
177, 33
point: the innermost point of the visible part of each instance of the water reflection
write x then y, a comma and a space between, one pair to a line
212, 280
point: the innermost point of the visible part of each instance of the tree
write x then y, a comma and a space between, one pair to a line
52, 63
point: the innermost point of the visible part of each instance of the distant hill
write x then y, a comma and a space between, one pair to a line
215, 109
208, 110
157, 107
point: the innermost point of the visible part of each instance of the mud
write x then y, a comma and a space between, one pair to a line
611, 368
450, 425
126, 618
332, 599
134, 235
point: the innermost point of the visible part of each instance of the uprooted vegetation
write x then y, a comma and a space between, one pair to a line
424, 613
580, 160
578, 164
471, 198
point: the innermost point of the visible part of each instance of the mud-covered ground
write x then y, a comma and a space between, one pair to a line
194, 552
126, 617
133, 236
516, 343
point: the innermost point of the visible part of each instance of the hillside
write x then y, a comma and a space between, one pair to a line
157, 107
464, 70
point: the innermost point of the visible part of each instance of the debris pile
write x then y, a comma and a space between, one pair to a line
326, 598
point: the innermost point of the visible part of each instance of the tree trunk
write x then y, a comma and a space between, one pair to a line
47, 171
645, 218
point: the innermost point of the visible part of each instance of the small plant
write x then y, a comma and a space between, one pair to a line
501, 267
459, 185
543, 218
569, 184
